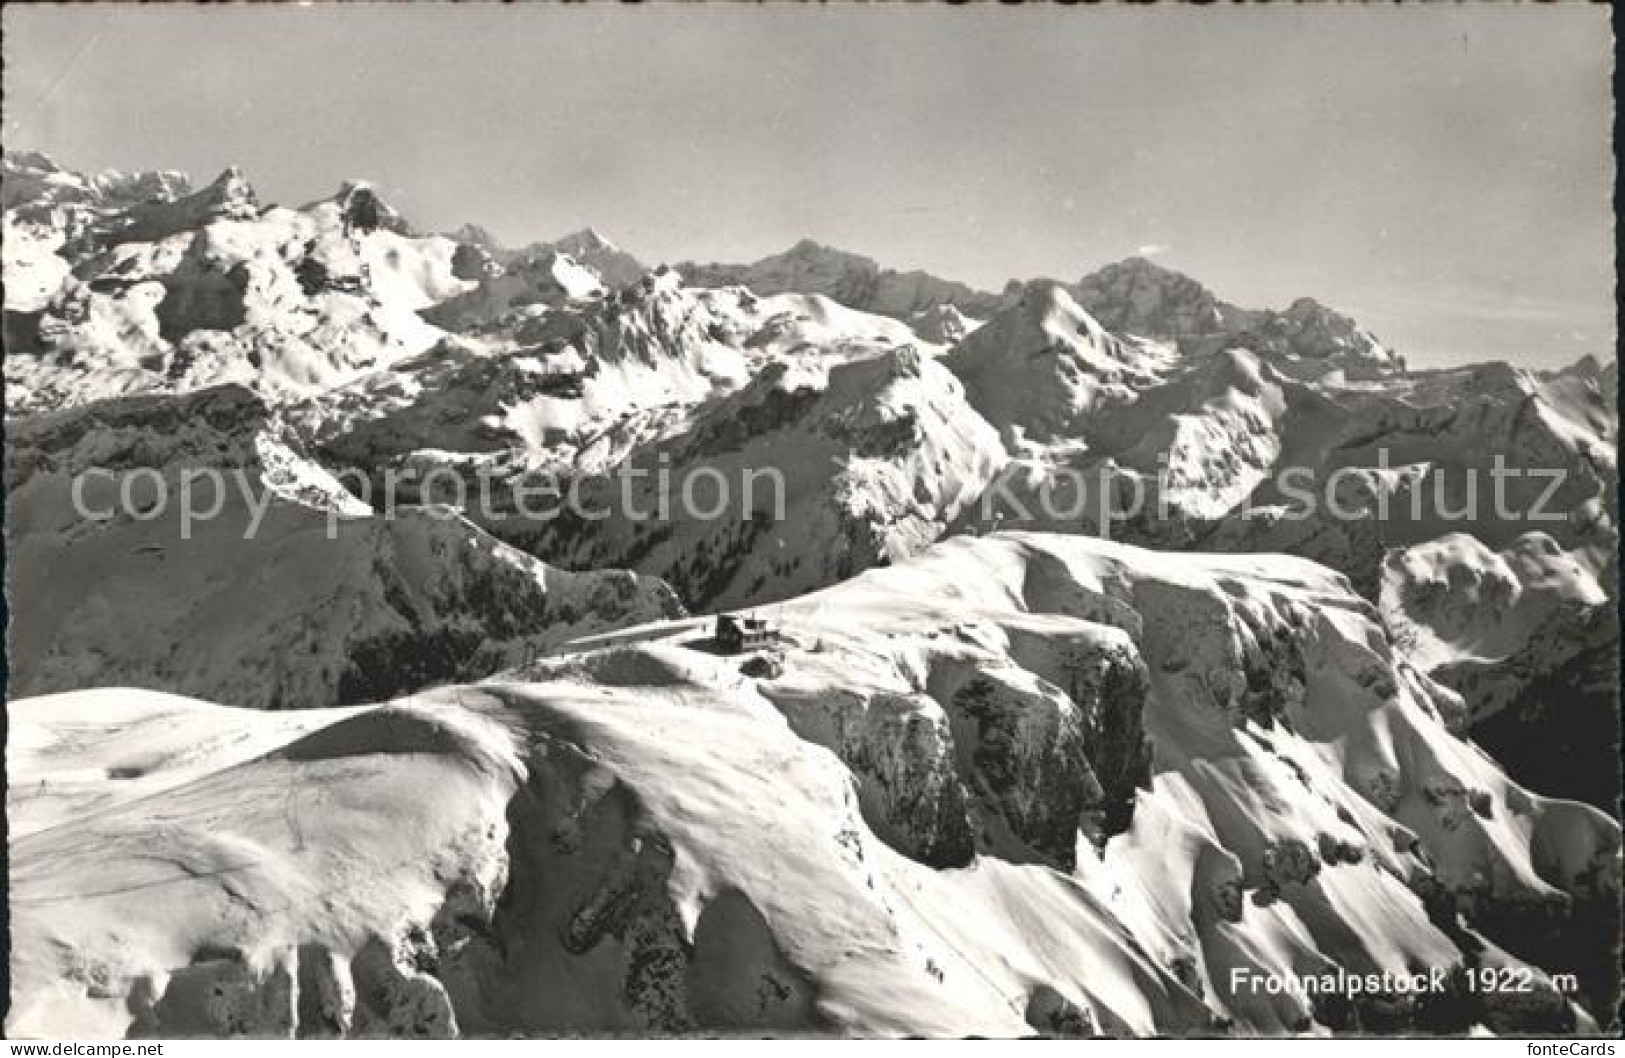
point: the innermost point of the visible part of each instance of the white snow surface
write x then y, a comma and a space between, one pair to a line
638, 837
457, 771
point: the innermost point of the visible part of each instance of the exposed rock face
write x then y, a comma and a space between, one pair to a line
1266, 678
1341, 476
1018, 742
943, 324
1309, 331
1054, 1015
1026, 750
900, 748
1563, 684
544, 381
1155, 460
229, 198
1308, 341
554, 889
34, 178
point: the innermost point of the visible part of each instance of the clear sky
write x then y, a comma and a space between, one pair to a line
1444, 173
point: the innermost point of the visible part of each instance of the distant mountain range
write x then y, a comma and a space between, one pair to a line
1067, 713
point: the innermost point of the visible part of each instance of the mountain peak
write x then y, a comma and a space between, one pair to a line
476, 235
1138, 296
585, 241
31, 160
591, 248
1144, 264
364, 207
230, 187
812, 249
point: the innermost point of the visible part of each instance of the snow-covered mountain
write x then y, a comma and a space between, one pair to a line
1317, 706
208, 288
1498, 450
1042, 367
1529, 636
289, 593
869, 462
1307, 339
1023, 783
1135, 296
34, 180
853, 280
613, 266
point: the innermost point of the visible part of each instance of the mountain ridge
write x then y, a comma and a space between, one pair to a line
1063, 712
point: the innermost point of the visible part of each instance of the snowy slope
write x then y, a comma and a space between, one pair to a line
1153, 459
1280, 721
551, 384
815, 470
640, 837
659, 377
1136, 296
613, 266
547, 278
1530, 639
1307, 340
1042, 366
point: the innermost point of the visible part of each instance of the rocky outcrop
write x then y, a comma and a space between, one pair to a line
179, 291
1025, 750
1561, 685
32, 178
901, 749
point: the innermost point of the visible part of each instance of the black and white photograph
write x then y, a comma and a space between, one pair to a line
841, 521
